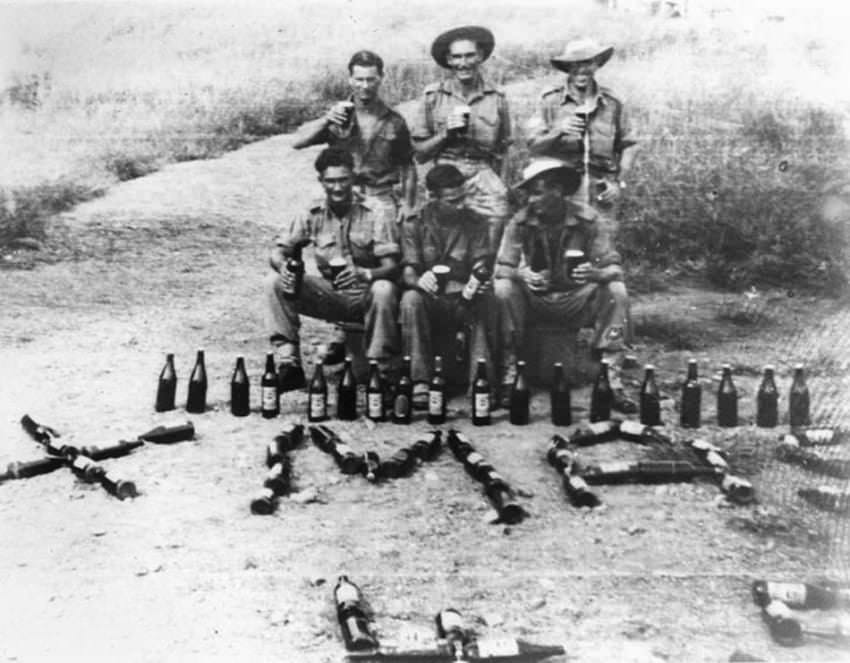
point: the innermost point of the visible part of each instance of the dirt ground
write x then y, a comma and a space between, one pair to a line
173, 262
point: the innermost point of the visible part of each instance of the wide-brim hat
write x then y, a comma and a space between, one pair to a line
539, 166
579, 50
480, 35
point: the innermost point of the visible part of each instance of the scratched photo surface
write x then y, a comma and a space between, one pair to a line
148, 164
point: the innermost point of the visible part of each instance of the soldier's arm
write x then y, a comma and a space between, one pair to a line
427, 143
314, 132
295, 233
604, 258
543, 134
386, 248
411, 255
626, 143
509, 256
408, 185
387, 268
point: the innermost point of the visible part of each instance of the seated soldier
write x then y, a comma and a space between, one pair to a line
532, 284
444, 233
342, 225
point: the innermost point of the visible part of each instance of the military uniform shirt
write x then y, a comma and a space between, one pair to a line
364, 235
441, 235
610, 131
527, 240
377, 161
489, 132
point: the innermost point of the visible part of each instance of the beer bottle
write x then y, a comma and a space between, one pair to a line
481, 396
265, 503
563, 460
351, 616
710, 454
240, 390
167, 387
403, 397
784, 628
502, 498
632, 431
86, 470
295, 266
737, 489
813, 437
650, 471
317, 396
828, 498
691, 398
559, 398
585, 435
767, 410
459, 445
520, 397
727, 400
497, 648
31, 468
789, 451
346, 400
371, 466
375, 393
427, 448
118, 487
601, 396
169, 434
802, 596
400, 464
437, 394
268, 390
113, 451
290, 437
348, 461
798, 400
480, 274
650, 399
196, 402
279, 477
476, 466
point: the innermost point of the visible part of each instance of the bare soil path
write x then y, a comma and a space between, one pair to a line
173, 262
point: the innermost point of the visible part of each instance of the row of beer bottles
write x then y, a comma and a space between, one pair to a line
767, 399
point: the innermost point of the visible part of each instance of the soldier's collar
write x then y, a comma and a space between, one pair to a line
598, 99
381, 108
483, 86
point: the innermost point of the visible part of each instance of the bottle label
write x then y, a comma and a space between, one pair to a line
470, 288
790, 593
318, 406
347, 593
342, 449
714, 458
474, 458
579, 484
602, 427
615, 467
401, 407
632, 428
481, 405
435, 403
275, 471
495, 476
270, 398
818, 436
497, 647
375, 405
777, 608
266, 494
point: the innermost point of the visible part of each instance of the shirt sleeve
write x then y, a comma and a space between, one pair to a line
385, 234
422, 126
625, 136
297, 231
505, 129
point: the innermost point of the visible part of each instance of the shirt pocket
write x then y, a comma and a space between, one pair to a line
603, 132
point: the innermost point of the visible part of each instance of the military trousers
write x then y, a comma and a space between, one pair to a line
425, 318
604, 306
375, 305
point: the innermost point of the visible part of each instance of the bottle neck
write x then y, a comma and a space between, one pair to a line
269, 363
692, 371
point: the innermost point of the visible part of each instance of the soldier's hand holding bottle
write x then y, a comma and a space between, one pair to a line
340, 113
350, 277
586, 273
536, 281
573, 126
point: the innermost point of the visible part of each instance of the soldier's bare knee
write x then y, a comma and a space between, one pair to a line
411, 300
617, 290
503, 288
383, 290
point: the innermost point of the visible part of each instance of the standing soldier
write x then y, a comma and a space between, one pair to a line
378, 139
532, 282
341, 225
464, 121
443, 233
586, 126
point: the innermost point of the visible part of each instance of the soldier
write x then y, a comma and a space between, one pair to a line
443, 233
341, 225
464, 121
531, 279
379, 141
583, 124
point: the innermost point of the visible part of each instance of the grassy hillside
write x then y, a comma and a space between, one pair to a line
95, 94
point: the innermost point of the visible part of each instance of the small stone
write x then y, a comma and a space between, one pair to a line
317, 581
277, 618
636, 529
250, 563
305, 496
537, 604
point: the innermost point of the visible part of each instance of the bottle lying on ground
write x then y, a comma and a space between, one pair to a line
290, 437
814, 437
737, 489
400, 464
789, 451
652, 471
348, 461
783, 626
351, 616
265, 503
169, 434
279, 477
429, 447
500, 649
86, 469
370, 466
117, 486
587, 434
118, 450
563, 460
632, 431
827, 498
791, 629
825, 595
24, 470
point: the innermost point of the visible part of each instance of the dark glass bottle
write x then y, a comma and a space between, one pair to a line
295, 266
767, 401
798, 400
166, 389
403, 397
691, 398
481, 396
196, 401
586, 435
118, 487
601, 396
240, 390
122, 448
428, 447
371, 466
351, 616
437, 395
784, 627
265, 503
375, 393
650, 399
727, 400
169, 434
480, 274
400, 464
559, 398
268, 390
539, 261
317, 395
346, 398
520, 397
802, 596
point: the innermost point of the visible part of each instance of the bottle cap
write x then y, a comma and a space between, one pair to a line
649, 367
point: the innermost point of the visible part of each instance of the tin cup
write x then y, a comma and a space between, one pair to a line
573, 258
442, 274
336, 265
